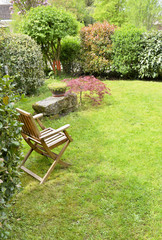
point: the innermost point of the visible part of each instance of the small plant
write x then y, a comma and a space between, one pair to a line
94, 88
58, 88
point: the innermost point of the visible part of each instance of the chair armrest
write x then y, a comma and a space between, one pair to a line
38, 115
55, 131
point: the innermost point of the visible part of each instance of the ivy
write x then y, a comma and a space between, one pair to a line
10, 142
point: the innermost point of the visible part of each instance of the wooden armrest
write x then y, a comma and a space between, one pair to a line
55, 131
38, 115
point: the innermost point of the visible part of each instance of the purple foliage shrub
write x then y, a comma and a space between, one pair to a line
93, 88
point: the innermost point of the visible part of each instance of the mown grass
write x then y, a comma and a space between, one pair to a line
112, 189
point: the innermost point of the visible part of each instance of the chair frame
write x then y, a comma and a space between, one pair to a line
43, 141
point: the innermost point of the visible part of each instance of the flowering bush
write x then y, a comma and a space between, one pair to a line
97, 47
150, 58
24, 5
94, 88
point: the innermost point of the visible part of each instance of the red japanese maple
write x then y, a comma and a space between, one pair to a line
93, 88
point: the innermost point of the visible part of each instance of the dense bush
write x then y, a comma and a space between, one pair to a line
150, 59
9, 151
70, 53
97, 47
126, 50
23, 60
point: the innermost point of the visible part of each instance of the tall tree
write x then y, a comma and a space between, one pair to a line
112, 11
143, 13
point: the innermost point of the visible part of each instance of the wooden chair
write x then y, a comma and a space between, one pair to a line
43, 141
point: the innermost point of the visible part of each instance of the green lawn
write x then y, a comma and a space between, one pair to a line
112, 189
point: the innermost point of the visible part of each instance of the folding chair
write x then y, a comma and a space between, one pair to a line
43, 141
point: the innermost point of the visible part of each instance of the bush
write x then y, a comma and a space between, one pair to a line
150, 59
126, 50
97, 48
23, 60
70, 53
9, 151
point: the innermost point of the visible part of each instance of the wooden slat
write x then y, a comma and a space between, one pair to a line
45, 132
29, 127
55, 131
57, 141
53, 138
31, 173
34, 140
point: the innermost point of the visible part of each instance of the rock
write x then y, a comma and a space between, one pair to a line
56, 105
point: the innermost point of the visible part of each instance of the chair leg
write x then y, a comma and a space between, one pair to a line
64, 163
26, 157
54, 163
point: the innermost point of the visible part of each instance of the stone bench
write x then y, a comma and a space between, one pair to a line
56, 106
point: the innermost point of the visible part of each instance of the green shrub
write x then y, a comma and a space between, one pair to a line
150, 59
70, 53
126, 49
97, 48
23, 60
9, 151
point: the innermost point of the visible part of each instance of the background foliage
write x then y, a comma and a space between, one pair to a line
143, 13
112, 11
82, 9
24, 5
9, 151
23, 60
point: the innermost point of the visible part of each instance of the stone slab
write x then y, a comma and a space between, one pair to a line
56, 105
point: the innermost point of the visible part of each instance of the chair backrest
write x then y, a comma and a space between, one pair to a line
29, 127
